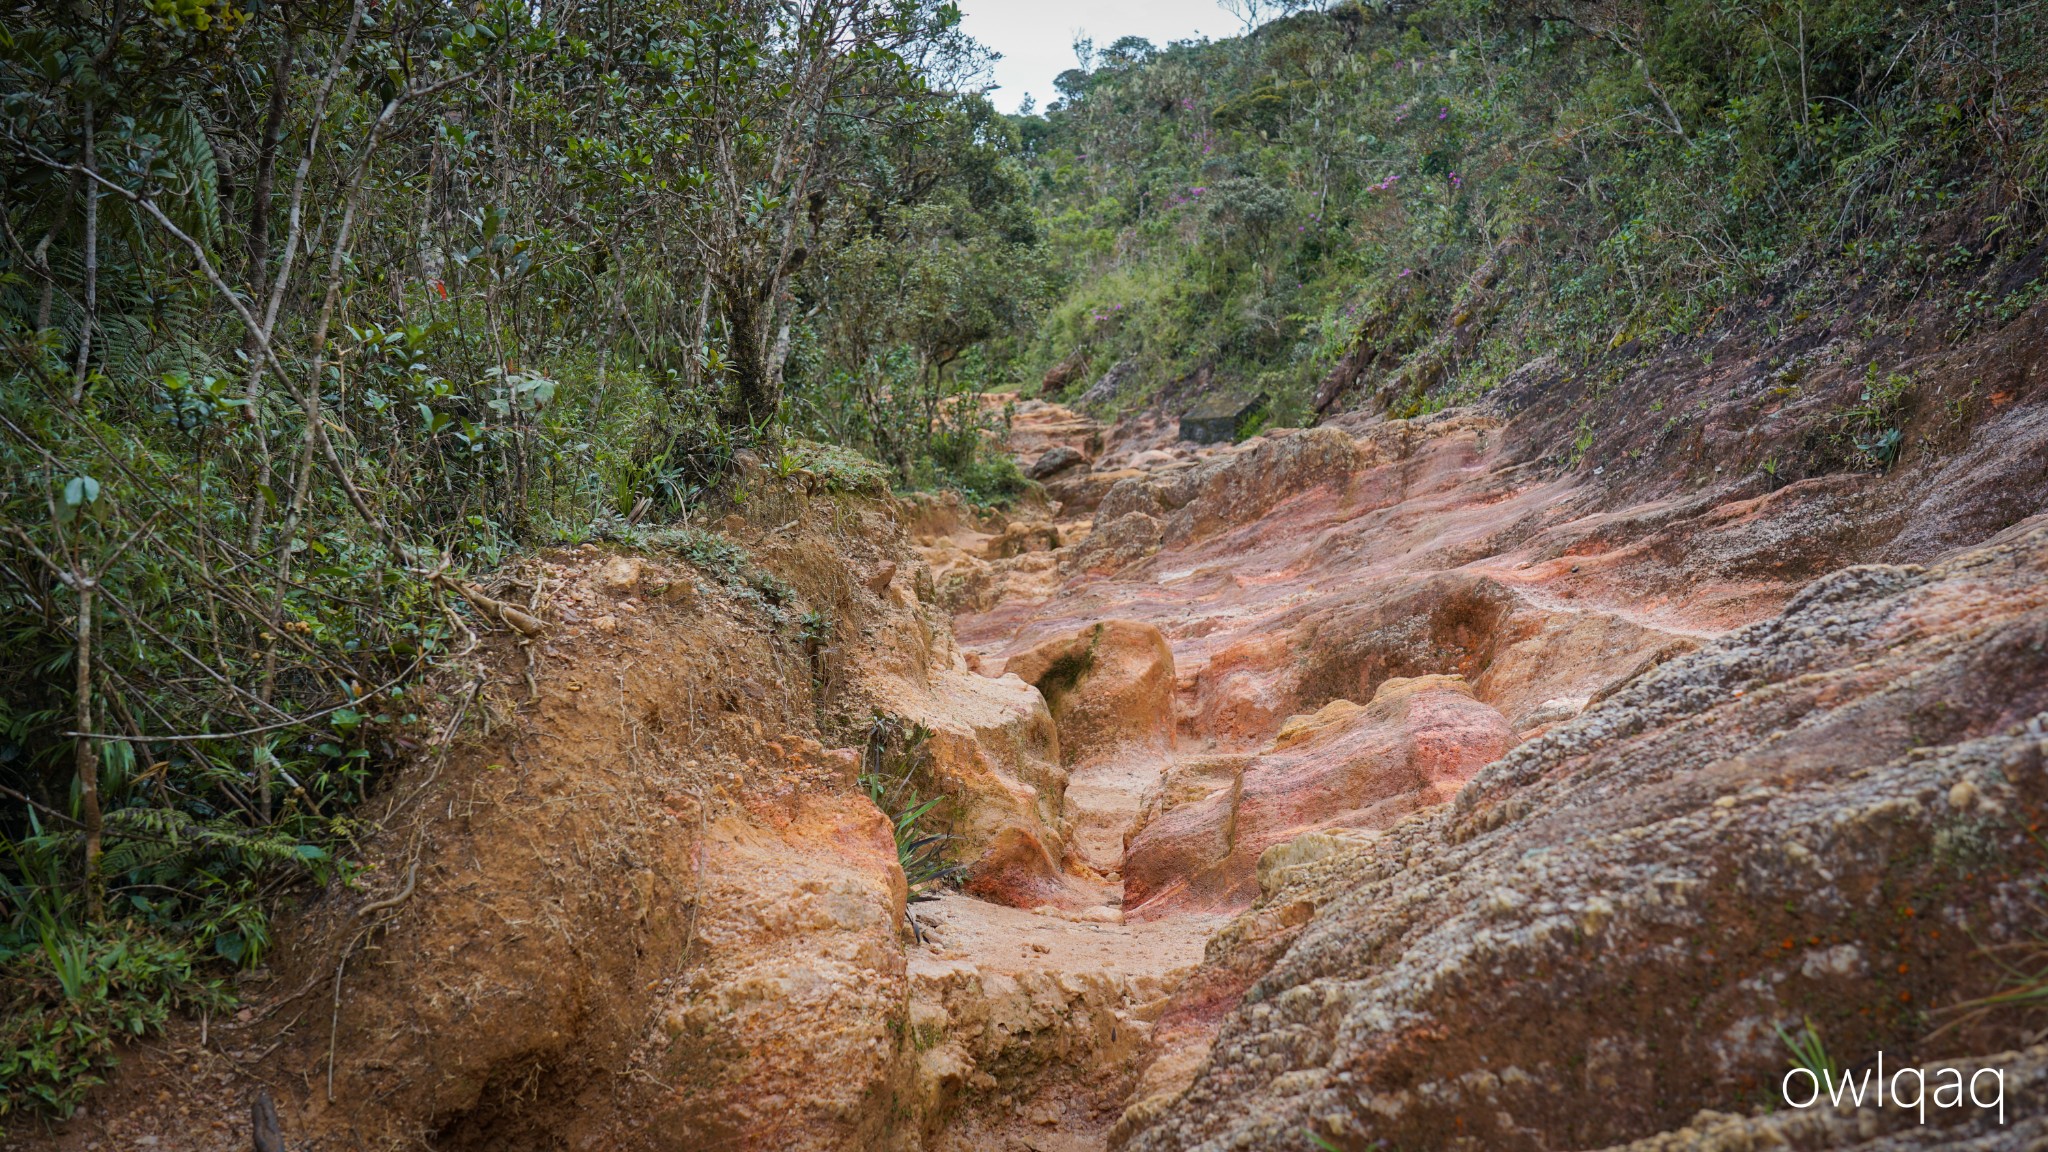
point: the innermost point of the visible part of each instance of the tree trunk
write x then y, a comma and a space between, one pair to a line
755, 392
85, 759
266, 174
92, 268
42, 258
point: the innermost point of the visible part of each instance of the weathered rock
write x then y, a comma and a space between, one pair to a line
1118, 544
994, 753
1020, 537
1054, 461
1263, 472
1347, 767
776, 1037
1009, 1009
1110, 688
1080, 494
1691, 855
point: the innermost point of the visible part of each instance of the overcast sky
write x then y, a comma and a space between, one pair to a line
1036, 37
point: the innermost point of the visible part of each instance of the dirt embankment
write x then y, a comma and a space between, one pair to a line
1505, 778
640, 901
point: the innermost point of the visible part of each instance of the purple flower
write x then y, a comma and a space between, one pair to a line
1444, 114
1405, 273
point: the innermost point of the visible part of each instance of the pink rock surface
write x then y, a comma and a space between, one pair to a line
1348, 766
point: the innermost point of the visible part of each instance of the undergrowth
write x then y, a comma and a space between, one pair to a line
896, 753
74, 990
1439, 192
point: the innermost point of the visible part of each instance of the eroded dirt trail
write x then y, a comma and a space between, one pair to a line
1254, 655
1264, 655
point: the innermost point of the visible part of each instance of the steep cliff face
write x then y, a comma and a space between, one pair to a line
1415, 783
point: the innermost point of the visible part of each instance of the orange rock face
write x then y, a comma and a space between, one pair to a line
1347, 767
1110, 687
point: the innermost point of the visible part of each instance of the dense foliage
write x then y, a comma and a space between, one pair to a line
1409, 200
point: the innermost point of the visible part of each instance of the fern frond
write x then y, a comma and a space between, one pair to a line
191, 152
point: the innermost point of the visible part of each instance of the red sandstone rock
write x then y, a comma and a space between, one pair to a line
1346, 767
1110, 687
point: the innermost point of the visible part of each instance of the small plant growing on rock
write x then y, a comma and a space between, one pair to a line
2024, 989
894, 754
1875, 423
1583, 442
1809, 1053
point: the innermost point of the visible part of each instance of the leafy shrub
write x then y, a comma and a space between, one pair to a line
73, 992
894, 756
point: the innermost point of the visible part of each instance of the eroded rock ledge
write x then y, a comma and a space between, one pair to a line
1826, 815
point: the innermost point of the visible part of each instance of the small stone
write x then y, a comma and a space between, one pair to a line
1502, 901
1053, 461
1599, 912
1963, 796
620, 575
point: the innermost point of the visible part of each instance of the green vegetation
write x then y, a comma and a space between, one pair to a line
74, 991
1810, 1054
307, 309
1410, 201
895, 753
1874, 425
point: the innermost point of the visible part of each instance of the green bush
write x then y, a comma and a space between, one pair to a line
74, 991
1455, 188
